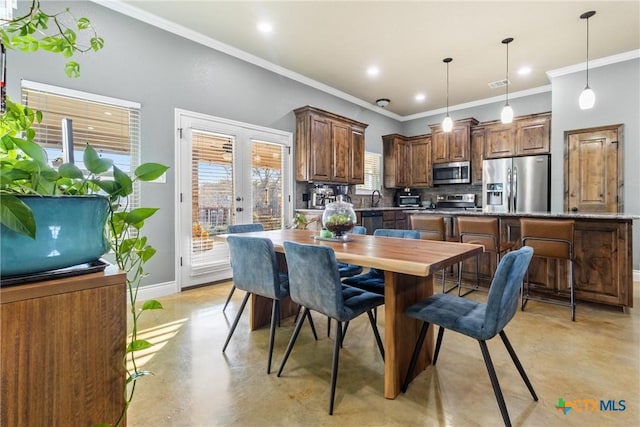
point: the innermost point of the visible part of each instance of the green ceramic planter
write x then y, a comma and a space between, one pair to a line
69, 231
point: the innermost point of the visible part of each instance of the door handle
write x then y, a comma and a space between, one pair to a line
238, 199
239, 209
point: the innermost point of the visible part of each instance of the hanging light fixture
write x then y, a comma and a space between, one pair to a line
587, 98
447, 123
507, 112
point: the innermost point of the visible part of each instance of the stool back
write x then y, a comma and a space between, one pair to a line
430, 227
480, 231
553, 239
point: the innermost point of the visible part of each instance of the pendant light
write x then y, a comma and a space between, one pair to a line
447, 123
587, 98
507, 112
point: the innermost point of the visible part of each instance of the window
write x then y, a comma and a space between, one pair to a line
372, 174
111, 126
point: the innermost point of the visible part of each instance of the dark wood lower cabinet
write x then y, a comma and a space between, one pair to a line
63, 343
603, 268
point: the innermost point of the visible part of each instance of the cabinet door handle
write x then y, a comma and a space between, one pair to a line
239, 209
574, 209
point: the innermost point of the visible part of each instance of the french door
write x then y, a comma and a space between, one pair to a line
229, 173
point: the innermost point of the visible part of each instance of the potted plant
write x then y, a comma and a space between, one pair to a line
26, 175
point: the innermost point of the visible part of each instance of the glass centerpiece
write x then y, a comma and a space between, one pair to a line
339, 217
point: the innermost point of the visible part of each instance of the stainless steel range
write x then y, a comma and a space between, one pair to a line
456, 201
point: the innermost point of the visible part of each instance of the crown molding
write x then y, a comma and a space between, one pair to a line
479, 102
595, 63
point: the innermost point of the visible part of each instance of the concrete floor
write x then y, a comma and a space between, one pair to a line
595, 358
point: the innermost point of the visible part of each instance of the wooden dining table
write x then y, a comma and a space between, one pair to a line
408, 264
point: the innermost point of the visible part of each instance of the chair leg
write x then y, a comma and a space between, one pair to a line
233, 288
414, 356
235, 321
444, 289
328, 327
519, 367
344, 333
376, 333
494, 383
572, 290
334, 365
275, 308
438, 344
525, 292
292, 341
313, 326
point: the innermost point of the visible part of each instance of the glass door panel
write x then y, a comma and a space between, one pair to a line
266, 177
230, 173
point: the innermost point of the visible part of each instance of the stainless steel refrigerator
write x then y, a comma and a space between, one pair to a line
516, 184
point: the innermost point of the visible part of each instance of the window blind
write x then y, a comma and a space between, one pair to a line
372, 173
110, 125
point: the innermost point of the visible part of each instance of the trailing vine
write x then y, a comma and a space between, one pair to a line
24, 169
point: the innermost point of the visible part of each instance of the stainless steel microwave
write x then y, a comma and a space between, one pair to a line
452, 173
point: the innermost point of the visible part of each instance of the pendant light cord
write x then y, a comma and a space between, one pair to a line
587, 52
507, 74
448, 88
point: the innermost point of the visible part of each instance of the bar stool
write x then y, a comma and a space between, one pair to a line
480, 231
549, 239
431, 227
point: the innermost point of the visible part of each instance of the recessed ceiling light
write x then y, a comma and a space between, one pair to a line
265, 27
524, 71
420, 97
373, 71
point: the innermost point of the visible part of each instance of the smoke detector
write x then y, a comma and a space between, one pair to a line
382, 102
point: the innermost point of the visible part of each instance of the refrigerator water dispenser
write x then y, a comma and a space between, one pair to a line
494, 194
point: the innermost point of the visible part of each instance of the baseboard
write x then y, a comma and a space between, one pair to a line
636, 275
157, 290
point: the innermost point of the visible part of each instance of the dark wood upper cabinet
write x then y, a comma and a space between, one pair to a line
527, 135
406, 161
451, 146
329, 148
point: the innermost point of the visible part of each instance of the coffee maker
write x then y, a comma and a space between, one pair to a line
321, 195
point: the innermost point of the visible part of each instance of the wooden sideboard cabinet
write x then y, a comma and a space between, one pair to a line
406, 161
451, 146
328, 148
63, 343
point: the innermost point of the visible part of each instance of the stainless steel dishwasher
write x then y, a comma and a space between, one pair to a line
371, 220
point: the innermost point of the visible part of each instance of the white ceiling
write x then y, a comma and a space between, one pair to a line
333, 43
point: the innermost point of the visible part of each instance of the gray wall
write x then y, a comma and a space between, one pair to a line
162, 71
617, 89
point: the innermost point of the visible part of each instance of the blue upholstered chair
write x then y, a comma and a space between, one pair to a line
255, 270
478, 320
315, 284
240, 228
373, 280
349, 270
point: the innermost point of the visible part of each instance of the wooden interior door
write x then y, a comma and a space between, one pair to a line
593, 170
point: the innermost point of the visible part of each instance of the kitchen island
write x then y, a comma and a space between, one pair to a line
603, 268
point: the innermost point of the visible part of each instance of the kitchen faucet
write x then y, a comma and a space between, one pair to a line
377, 201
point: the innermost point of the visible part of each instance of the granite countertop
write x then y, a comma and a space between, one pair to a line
379, 208
460, 212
